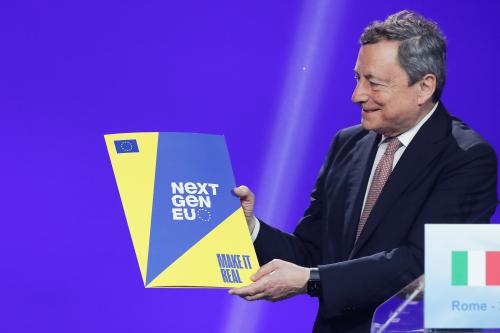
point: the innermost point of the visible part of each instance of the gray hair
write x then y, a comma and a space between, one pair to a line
422, 49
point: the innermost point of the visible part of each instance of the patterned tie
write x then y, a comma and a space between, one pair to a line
380, 177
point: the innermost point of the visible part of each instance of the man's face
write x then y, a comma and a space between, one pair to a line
389, 106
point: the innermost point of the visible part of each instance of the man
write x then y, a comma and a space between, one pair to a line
407, 164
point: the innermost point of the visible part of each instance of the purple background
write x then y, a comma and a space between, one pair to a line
275, 77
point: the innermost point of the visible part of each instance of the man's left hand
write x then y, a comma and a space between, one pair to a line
275, 281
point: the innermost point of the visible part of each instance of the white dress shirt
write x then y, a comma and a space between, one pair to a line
405, 139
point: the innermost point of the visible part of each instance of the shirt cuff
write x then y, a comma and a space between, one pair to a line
256, 229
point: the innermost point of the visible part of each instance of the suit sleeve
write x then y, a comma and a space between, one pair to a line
464, 193
303, 246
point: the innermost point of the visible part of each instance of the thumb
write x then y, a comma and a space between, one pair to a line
243, 192
264, 270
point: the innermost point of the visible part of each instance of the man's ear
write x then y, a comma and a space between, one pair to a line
426, 88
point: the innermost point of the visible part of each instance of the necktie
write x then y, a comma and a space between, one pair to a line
382, 172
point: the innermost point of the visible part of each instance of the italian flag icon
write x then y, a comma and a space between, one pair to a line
475, 268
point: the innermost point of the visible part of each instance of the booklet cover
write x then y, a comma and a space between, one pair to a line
187, 227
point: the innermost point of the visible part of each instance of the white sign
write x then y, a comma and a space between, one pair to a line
462, 276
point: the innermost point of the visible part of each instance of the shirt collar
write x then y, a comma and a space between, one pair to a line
406, 137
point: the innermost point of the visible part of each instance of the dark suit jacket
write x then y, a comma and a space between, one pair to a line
447, 174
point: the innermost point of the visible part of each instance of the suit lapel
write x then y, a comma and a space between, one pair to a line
363, 155
424, 147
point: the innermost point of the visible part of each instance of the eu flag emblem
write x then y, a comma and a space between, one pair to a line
126, 146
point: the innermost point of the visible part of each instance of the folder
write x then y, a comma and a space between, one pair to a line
187, 227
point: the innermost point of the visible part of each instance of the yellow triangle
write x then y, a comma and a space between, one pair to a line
199, 266
135, 177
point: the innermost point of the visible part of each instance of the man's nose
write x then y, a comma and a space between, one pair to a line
360, 94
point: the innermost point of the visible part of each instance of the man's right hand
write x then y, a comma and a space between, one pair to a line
247, 199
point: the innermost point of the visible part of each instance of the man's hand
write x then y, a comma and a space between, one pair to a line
275, 281
247, 200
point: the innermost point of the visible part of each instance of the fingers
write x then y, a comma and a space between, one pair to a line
256, 297
251, 290
262, 289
